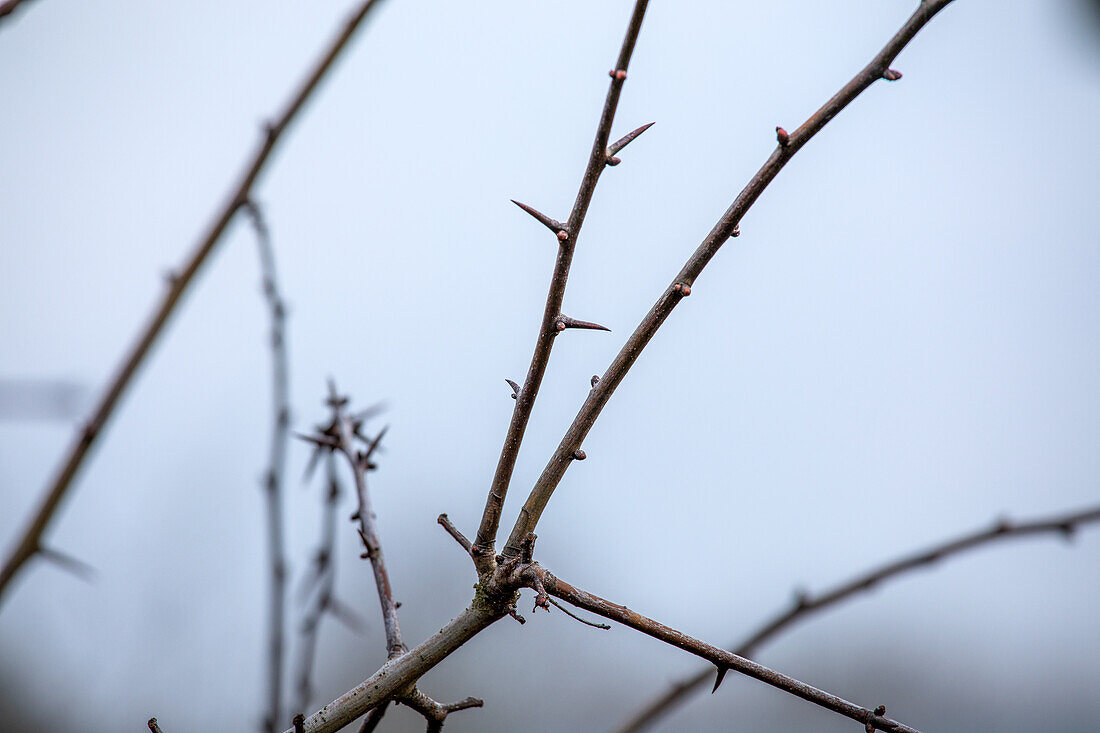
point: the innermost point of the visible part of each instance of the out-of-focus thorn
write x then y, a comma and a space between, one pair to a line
782, 136
891, 75
625, 140
321, 441
565, 322
515, 388
718, 678
552, 224
79, 568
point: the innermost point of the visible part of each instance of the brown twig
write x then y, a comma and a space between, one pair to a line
436, 713
727, 226
722, 659
806, 605
323, 577
345, 431
31, 538
552, 318
276, 465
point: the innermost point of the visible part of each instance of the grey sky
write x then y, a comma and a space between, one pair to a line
902, 345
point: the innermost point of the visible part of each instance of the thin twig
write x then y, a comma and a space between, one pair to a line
721, 658
680, 287
276, 465
436, 713
806, 605
323, 576
552, 315
30, 540
373, 718
346, 430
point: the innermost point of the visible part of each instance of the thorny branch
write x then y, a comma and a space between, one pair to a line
873, 719
30, 542
553, 321
680, 287
806, 605
501, 578
276, 467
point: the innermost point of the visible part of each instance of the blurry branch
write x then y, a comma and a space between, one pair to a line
8, 7
806, 605
789, 143
321, 584
553, 321
276, 467
29, 543
544, 582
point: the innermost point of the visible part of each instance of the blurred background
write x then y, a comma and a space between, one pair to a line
902, 345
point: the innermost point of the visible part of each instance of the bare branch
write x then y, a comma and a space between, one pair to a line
681, 284
29, 542
276, 465
323, 577
453, 531
805, 606
722, 659
346, 431
485, 541
434, 712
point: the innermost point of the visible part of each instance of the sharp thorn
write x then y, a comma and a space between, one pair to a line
565, 322
718, 679
625, 140
552, 224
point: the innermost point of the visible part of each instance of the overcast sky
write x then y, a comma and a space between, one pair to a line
902, 345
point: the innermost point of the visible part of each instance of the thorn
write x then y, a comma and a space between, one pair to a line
565, 322
79, 568
321, 441
552, 224
622, 142
594, 380
515, 388
720, 676
684, 290
891, 75
579, 454
782, 136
